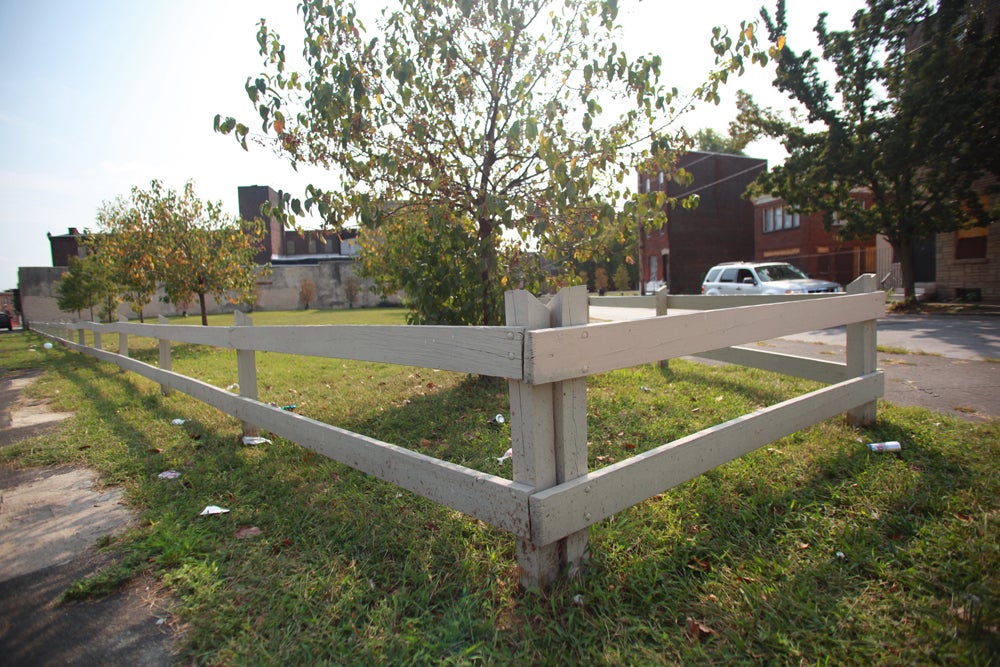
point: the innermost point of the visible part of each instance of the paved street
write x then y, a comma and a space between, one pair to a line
948, 363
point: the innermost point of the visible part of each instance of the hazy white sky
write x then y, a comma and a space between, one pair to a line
98, 96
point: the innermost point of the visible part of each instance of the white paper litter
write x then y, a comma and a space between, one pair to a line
47, 346
169, 474
506, 455
213, 509
179, 422
255, 440
234, 386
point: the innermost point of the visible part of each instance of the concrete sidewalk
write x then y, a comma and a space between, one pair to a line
50, 520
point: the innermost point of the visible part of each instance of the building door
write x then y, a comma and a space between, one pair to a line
925, 260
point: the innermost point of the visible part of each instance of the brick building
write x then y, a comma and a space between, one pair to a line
783, 235
719, 229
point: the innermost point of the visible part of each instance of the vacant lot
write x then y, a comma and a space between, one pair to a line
809, 550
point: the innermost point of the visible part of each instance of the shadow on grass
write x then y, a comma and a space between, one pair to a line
346, 566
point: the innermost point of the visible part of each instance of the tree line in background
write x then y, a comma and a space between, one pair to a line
162, 237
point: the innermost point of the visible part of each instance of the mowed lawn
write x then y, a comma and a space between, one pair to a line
811, 550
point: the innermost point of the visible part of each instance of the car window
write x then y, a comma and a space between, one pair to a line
713, 275
728, 276
743, 275
780, 272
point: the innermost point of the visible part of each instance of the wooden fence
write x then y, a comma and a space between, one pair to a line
545, 351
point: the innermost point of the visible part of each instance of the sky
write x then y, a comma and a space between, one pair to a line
99, 96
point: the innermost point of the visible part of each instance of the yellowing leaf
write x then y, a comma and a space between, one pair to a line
279, 126
781, 42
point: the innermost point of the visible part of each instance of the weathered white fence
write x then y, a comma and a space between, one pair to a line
546, 351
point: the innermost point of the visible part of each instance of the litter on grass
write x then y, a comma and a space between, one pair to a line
169, 474
213, 509
890, 446
179, 422
233, 387
506, 455
497, 420
255, 440
47, 346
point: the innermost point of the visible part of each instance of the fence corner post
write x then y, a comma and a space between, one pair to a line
569, 308
862, 352
164, 354
533, 443
246, 367
549, 434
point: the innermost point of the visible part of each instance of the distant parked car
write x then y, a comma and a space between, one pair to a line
5, 321
762, 278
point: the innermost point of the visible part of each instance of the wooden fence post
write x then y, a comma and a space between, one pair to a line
661, 309
97, 338
164, 355
246, 365
571, 307
548, 433
81, 335
862, 353
122, 338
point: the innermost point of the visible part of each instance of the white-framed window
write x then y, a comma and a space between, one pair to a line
777, 218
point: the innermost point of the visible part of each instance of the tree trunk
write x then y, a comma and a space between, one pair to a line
488, 255
904, 253
204, 312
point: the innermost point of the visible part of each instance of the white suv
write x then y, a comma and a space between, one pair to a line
762, 278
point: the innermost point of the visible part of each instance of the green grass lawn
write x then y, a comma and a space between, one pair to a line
811, 550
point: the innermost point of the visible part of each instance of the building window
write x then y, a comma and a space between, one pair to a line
661, 180
971, 243
778, 218
791, 220
312, 245
290, 247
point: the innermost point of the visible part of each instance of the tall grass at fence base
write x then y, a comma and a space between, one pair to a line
808, 550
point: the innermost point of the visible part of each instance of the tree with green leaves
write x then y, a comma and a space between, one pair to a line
711, 141
621, 278
128, 244
202, 250
87, 284
913, 118
159, 236
490, 119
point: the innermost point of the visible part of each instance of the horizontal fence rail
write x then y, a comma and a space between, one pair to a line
545, 352
554, 353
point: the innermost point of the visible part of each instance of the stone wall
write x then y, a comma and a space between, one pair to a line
278, 291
